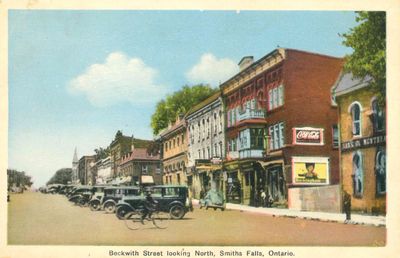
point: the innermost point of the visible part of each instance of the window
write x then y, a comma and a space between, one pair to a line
335, 136
208, 152
177, 141
144, 169
166, 147
220, 150
358, 177
158, 168
257, 138
198, 155
277, 136
215, 150
275, 97
178, 177
355, 111
220, 121
204, 153
378, 117
173, 143
380, 171
234, 145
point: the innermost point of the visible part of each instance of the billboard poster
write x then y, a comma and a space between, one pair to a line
310, 170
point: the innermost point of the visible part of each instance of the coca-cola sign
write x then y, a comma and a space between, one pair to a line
308, 136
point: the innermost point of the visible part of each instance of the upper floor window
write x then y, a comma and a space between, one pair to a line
220, 150
275, 97
380, 171
158, 168
257, 138
144, 169
215, 150
335, 136
355, 110
276, 136
358, 174
378, 118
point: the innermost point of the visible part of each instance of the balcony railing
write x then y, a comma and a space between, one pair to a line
251, 114
249, 153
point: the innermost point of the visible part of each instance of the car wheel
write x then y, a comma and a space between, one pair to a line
177, 212
109, 207
95, 205
121, 212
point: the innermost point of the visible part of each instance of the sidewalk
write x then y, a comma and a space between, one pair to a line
321, 216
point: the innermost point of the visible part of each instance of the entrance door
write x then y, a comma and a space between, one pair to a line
276, 183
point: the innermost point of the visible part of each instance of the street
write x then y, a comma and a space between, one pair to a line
46, 219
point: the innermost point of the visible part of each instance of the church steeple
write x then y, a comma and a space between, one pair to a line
75, 158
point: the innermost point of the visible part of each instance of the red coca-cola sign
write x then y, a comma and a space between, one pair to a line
308, 136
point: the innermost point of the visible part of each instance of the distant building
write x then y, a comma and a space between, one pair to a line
141, 167
104, 174
206, 145
84, 169
120, 146
281, 130
174, 144
362, 144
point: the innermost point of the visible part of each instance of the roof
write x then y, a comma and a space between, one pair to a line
139, 154
204, 103
277, 51
347, 83
139, 143
173, 128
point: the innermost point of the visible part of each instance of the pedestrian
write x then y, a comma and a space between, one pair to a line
347, 206
263, 196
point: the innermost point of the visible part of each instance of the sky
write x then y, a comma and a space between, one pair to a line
76, 77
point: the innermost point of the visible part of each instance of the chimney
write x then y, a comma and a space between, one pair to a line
245, 62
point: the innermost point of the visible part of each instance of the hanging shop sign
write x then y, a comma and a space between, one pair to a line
363, 142
310, 170
308, 136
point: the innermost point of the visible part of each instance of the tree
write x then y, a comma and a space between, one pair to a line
368, 41
101, 153
178, 103
62, 176
18, 178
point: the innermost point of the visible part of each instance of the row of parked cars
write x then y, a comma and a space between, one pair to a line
123, 199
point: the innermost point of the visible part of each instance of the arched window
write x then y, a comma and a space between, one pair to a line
358, 174
355, 111
380, 171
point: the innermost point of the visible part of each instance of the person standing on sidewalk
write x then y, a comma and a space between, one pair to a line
347, 205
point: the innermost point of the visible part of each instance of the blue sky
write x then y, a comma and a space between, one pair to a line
76, 77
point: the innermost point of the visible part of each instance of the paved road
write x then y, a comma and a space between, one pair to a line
39, 219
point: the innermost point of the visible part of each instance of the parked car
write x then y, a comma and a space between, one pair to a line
113, 194
171, 198
213, 199
98, 194
78, 193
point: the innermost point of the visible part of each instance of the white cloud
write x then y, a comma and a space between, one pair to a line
119, 79
212, 70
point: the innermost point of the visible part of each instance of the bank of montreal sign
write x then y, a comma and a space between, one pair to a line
308, 136
320, 168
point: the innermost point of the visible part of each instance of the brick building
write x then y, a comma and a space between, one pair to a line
120, 146
206, 145
141, 167
281, 126
174, 143
363, 144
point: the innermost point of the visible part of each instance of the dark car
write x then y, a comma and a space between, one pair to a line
170, 198
80, 191
96, 198
115, 193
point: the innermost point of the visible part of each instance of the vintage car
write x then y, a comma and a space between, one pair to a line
213, 199
170, 198
76, 195
98, 194
111, 197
